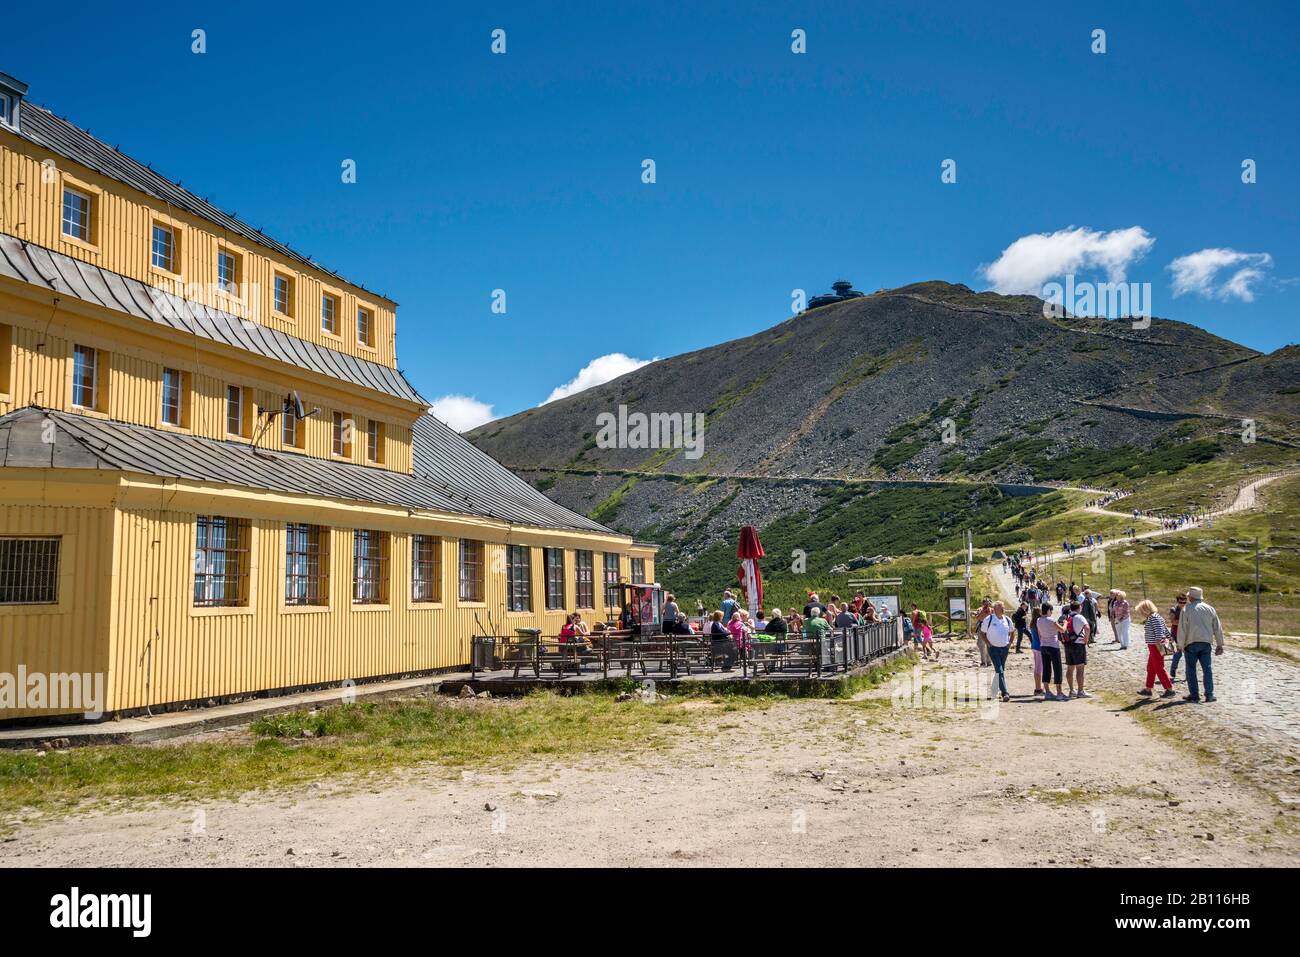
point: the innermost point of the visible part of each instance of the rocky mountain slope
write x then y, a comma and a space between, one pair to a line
926, 382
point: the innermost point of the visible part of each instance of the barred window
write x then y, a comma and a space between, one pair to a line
173, 400
426, 568
519, 578
29, 571
329, 310
283, 295
470, 573
76, 214
164, 247
306, 564
370, 567
611, 580
584, 584
221, 562
638, 571
85, 377
554, 578
227, 272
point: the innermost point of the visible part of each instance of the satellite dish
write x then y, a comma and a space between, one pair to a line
293, 403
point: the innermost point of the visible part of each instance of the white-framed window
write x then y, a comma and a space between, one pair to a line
341, 435
6, 110
76, 214
227, 272
235, 410
85, 377
329, 314
29, 571
173, 396
426, 568
374, 441
163, 247
365, 326
283, 295
554, 578
221, 561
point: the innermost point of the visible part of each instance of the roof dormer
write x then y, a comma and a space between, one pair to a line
12, 92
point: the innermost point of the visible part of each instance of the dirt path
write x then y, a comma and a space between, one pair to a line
800, 783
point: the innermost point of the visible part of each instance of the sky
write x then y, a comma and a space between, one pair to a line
501, 197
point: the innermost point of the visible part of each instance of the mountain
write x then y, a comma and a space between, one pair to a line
927, 382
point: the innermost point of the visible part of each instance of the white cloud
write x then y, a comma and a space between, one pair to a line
1197, 273
462, 412
599, 370
1032, 260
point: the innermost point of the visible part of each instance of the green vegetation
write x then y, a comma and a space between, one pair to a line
608, 509
1116, 466
356, 739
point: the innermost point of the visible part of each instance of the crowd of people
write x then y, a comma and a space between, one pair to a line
1064, 630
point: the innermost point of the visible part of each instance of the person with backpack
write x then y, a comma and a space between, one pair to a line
1077, 633
1020, 618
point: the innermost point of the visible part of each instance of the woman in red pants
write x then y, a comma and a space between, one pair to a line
1157, 633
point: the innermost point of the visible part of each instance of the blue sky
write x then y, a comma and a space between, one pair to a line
775, 170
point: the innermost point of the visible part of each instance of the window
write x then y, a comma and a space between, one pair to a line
292, 431
369, 567
611, 580
365, 326
76, 214
584, 587
342, 438
6, 359
235, 406
329, 314
306, 564
173, 397
426, 568
638, 571
85, 377
228, 272
554, 578
471, 570
6, 110
221, 562
283, 295
519, 578
164, 247
374, 441
29, 571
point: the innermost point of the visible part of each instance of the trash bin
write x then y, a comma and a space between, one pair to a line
483, 653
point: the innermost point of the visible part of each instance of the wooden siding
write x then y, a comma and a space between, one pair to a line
31, 208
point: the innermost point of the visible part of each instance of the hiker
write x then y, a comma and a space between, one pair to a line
985, 609
1198, 627
729, 605
1088, 608
1020, 618
997, 630
672, 615
910, 637
1048, 632
1157, 635
1076, 650
1120, 617
1175, 616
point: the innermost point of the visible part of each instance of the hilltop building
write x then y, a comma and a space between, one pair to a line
214, 479
843, 289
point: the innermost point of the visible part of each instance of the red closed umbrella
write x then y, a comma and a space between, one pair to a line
749, 550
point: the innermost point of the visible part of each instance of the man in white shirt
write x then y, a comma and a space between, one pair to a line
997, 630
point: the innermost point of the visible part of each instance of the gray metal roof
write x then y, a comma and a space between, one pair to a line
40, 126
455, 478
443, 456
47, 269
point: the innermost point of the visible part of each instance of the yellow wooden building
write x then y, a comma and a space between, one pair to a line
214, 480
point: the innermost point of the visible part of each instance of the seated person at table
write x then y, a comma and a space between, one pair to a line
776, 630
724, 649
846, 618
816, 626
580, 626
569, 634
627, 618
